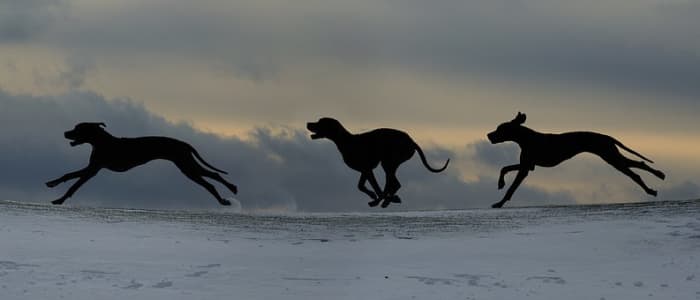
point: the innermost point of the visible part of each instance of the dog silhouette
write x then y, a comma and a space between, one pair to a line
365, 151
549, 150
122, 154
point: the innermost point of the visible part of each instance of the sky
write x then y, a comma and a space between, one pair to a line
239, 79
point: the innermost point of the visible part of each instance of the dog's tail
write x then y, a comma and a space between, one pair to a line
196, 154
425, 162
618, 143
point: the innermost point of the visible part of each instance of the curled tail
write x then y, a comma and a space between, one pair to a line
425, 162
196, 154
618, 143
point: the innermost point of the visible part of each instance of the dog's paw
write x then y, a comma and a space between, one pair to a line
57, 202
501, 183
395, 199
52, 183
373, 203
234, 189
225, 202
386, 202
652, 192
497, 205
372, 195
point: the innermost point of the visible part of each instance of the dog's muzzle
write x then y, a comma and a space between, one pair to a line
69, 135
493, 138
314, 135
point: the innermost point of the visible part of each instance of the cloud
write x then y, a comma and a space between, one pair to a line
638, 46
276, 169
23, 20
620, 65
499, 156
682, 191
76, 73
71, 77
430, 67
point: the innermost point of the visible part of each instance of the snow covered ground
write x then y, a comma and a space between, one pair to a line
632, 251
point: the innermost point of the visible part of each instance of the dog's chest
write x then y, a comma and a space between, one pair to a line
360, 159
549, 153
119, 159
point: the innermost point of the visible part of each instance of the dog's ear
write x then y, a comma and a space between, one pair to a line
519, 119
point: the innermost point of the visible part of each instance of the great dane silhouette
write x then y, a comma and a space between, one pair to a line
365, 151
549, 150
122, 154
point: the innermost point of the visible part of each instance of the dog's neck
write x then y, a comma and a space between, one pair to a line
102, 138
524, 136
342, 138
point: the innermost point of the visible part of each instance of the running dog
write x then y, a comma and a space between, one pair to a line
122, 154
549, 150
365, 151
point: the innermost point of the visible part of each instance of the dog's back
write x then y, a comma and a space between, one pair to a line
386, 141
125, 153
550, 149
366, 150
153, 147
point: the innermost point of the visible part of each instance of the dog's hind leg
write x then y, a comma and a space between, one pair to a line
209, 187
193, 171
623, 164
522, 173
643, 166
216, 176
636, 178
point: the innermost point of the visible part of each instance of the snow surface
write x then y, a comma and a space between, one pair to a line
631, 251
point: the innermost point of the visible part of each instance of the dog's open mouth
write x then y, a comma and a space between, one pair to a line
69, 135
314, 134
493, 139
74, 142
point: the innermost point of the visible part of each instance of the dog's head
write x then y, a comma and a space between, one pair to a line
85, 133
325, 128
508, 130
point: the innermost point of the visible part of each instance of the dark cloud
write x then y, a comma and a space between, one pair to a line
496, 155
683, 191
539, 41
76, 73
72, 76
22, 20
277, 169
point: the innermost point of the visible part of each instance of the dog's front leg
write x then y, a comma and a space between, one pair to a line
362, 186
504, 171
522, 173
83, 179
378, 194
67, 177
